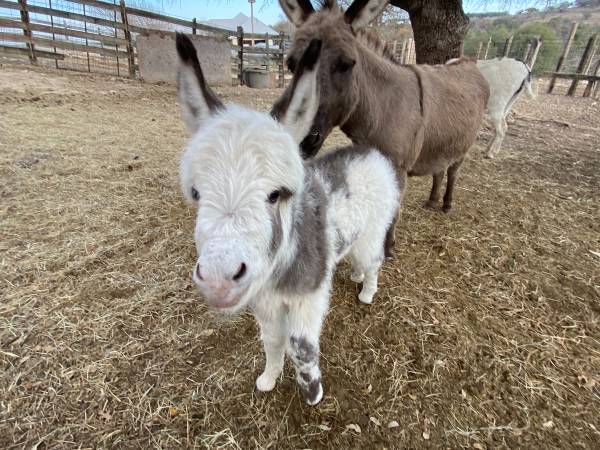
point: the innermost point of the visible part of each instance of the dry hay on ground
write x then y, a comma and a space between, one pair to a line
485, 333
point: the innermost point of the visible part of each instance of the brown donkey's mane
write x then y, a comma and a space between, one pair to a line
371, 40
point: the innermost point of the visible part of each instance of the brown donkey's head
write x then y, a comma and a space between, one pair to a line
339, 63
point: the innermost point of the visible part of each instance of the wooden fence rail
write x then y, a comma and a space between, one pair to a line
107, 30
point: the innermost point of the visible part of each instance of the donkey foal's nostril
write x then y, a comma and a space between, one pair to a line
240, 273
198, 272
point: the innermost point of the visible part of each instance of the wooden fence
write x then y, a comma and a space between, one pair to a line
583, 72
98, 36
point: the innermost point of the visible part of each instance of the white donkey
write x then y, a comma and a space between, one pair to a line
270, 228
508, 78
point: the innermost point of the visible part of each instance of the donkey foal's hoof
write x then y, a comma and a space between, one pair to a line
365, 298
264, 383
317, 398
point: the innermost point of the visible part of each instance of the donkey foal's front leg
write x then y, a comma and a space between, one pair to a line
305, 319
273, 337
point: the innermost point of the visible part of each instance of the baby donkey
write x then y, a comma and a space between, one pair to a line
270, 228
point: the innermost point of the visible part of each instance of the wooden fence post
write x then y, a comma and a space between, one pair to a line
240, 38
86, 41
27, 31
564, 55
403, 51
53, 36
487, 48
281, 58
479, 50
591, 83
507, 45
130, 54
526, 52
116, 36
194, 25
534, 53
394, 47
584, 63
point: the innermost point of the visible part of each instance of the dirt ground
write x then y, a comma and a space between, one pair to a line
485, 333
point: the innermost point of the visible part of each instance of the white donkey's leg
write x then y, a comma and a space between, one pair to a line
273, 334
500, 130
305, 318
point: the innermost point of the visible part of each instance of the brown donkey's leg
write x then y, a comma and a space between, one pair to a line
452, 175
434, 197
390, 235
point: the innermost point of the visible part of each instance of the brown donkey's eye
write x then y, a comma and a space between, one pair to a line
195, 194
274, 196
343, 64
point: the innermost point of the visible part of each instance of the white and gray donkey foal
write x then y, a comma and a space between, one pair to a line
270, 228
508, 78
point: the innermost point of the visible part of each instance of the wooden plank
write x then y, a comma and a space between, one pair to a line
217, 30
259, 36
564, 54
8, 50
107, 40
576, 76
97, 4
260, 50
63, 14
62, 44
159, 17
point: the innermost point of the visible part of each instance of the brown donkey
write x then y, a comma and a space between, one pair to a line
424, 118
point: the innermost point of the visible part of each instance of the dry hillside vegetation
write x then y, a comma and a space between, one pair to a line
485, 332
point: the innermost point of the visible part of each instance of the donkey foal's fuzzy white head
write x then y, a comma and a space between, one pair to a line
242, 170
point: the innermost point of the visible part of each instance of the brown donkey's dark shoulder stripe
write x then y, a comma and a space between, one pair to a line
420, 84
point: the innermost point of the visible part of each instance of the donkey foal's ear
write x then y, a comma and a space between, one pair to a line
362, 12
197, 100
297, 11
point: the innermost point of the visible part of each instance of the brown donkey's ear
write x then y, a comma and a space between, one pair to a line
196, 98
297, 108
297, 11
361, 12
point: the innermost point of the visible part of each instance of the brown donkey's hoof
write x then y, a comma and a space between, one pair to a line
447, 209
430, 204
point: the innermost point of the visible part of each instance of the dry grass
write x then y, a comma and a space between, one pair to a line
485, 333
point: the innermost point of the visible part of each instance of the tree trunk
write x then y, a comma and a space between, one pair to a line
439, 28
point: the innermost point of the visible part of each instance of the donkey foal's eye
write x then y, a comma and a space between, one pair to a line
274, 196
195, 194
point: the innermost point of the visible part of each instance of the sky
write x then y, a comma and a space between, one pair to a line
270, 13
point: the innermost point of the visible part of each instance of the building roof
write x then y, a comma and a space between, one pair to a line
242, 20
